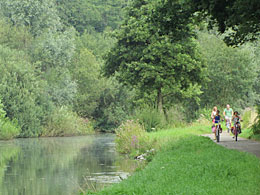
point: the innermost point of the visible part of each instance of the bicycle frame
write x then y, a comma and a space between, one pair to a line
217, 131
237, 126
228, 125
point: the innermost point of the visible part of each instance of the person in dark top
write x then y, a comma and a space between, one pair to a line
217, 119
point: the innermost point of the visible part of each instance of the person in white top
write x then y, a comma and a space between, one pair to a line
213, 113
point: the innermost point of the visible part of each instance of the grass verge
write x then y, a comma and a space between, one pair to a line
248, 133
188, 164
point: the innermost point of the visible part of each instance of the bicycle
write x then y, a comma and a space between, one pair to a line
237, 129
218, 130
228, 125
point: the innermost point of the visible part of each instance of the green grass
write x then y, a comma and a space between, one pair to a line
189, 164
248, 133
164, 137
194, 165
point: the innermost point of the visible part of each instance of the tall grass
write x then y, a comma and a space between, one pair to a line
153, 120
132, 139
150, 118
64, 122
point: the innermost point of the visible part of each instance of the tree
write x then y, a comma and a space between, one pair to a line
39, 15
231, 73
91, 15
150, 58
21, 92
238, 19
86, 73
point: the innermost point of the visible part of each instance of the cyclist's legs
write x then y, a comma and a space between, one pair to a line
228, 122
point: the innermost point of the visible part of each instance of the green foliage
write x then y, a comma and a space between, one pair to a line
204, 113
194, 165
20, 91
37, 14
64, 122
2, 111
148, 58
53, 49
131, 138
85, 71
231, 73
91, 15
256, 126
239, 19
114, 106
175, 117
97, 43
248, 116
14, 37
150, 118
61, 87
8, 129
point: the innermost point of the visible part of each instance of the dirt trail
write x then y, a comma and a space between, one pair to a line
242, 144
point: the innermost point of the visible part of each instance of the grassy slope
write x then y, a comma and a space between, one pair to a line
188, 164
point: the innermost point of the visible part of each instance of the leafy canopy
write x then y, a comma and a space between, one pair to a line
238, 19
150, 57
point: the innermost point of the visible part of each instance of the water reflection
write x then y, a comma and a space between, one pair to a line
59, 165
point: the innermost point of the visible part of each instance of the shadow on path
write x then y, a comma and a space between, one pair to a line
242, 144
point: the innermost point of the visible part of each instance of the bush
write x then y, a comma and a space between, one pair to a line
256, 126
8, 129
175, 117
131, 138
249, 115
64, 122
150, 118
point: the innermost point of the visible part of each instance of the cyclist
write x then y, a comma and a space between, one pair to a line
228, 114
213, 114
217, 121
236, 119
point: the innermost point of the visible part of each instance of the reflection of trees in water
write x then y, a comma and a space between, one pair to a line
57, 165
43, 165
7, 154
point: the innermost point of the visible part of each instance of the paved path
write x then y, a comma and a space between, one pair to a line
241, 144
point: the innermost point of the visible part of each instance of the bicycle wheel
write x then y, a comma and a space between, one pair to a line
217, 134
236, 133
228, 127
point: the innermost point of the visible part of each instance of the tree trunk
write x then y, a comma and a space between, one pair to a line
160, 100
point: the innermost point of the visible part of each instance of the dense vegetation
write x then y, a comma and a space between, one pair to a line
62, 73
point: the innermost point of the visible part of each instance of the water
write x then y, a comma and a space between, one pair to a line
60, 165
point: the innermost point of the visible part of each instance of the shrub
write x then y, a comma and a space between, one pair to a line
131, 138
150, 118
8, 129
64, 122
249, 115
175, 117
256, 126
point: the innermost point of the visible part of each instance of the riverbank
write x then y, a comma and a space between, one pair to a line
189, 164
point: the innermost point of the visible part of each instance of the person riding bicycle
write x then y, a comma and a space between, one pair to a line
213, 114
236, 119
228, 114
217, 119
